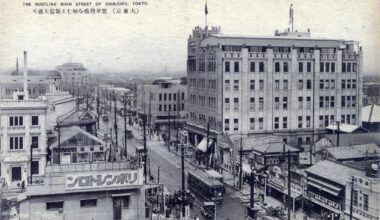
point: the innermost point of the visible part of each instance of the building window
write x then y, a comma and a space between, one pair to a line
276, 102
236, 124
276, 122
126, 201
353, 119
159, 107
252, 123
320, 101
308, 84
300, 84
252, 85
227, 85
343, 67
326, 120
349, 67
261, 103
160, 97
253, 67
16, 121
286, 67
332, 119
34, 120
86, 203
299, 121
353, 67
277, 67
183, 95
348, 84
332, 84
50, 206
261, 123
308, 140
343, 119
355, 198
321, 67
299, 141
300, 102
327, 101
285, 103
34, 141
366, 202
353, 101
285, 122
354, 83
261, 85
226, 124
285, 84
333, 67
236, 104
165, 97
308, 67
308, 102
327, 67
321, 121
236, 85
170, 96
227, 104
236, 67
300, 67
321, 84
16, 174
227, 66
308, 124
332, 101
261, 67
277, 85
343, 101
16, 143
35, 167
174, 96
252, 104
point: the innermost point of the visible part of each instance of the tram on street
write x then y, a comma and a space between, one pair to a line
205, 186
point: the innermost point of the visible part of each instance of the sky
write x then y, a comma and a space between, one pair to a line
157, 36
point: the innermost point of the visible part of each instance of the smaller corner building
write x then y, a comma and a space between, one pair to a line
103, 190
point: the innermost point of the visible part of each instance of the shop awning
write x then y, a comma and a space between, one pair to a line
202, 146
336, 188
320, 187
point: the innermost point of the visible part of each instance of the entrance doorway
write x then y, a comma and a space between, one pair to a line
16, 174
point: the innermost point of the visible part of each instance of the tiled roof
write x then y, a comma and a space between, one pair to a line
67, 133
354, 151
355, 139
346, 128
371, 113
334, 171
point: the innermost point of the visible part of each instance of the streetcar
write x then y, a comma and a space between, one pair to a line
205, 186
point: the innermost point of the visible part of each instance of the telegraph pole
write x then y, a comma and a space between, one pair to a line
169, 131
31, 161
289, 187
241, 162
252, 199
59, 143
183, 179
125, 125
97, 104
338, 133
207, 141
352, 197
115, 125
145, 151
177, 116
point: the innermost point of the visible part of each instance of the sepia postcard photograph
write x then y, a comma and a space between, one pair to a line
189, 110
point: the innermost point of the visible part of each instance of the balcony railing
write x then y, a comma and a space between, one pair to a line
257, 55
282, 55
305, 56
327, 56
89, 167
23, 104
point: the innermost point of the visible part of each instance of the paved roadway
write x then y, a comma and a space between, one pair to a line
170, 170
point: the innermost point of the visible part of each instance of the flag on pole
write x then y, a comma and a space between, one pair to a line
206, 11
291, 14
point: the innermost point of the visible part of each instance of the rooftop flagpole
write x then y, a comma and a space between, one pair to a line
206, 12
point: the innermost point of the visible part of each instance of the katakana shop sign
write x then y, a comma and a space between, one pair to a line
103, 180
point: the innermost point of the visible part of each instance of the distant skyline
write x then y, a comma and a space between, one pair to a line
157, 37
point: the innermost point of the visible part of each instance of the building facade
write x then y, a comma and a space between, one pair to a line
291, 85
37, 85
100, 190
154, 102
73, 73
22, 127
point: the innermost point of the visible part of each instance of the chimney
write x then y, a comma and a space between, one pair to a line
17, 66
26, 74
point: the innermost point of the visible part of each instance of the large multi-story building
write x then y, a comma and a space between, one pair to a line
37, 84
22, 136
291, 84
73, 73
155, 101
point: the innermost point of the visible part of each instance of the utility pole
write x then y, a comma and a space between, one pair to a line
252, 199
97, 104
289, 187
183, 179
59, 143
125, 125
207, 143
169, 136
110, 155
115, 125
145, 151
31, 161
338, 133
241, 162
158, 174
177, 116
352, 197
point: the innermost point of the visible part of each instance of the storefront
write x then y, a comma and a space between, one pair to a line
108, 191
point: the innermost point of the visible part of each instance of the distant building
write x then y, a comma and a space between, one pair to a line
350, 153
73, 73
37, 85
291, 85
81, 118
100, 190
345, 140
155, 101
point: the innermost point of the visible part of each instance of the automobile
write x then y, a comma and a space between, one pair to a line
208, 210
